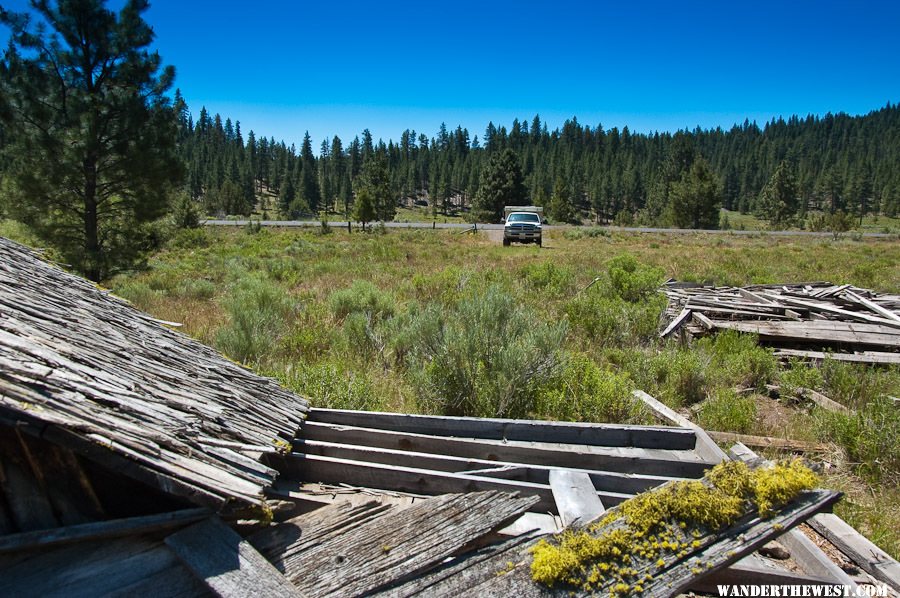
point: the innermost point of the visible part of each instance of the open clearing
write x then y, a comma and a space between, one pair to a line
343, 319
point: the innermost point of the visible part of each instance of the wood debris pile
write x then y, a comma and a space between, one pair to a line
811, 320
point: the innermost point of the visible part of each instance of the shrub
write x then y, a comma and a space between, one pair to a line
727, 411
138, 294
362, 297
739, 360
487, 357
198, 288
329, 385
190, 238
871, 438
631, 280
800, 374
583, 391
259, 311
548, 277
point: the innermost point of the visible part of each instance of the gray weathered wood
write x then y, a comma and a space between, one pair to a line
705, 447
884, 312
823, 401
671, 463
108, 567
859, 549
77, 359
102, 529
878, 357
328, 470
675, 324
399, 545
812, 560
576, 499
226, 563
809, 556
626, 483
511, 429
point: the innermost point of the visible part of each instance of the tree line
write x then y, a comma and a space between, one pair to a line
95, 152
833, 163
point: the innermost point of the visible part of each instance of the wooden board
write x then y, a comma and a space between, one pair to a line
615, 435
664, 462
878, 357
128, 566
328, 470
859, 549
625, 483
100, 530
576, 499
398, 545
226, 563
705, 447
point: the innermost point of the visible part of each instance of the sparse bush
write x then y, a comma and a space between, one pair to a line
488, 358
137, 293
548, 277
330, 385
610, 320
800, 374
196, 289
726, 411
739, 360
186, 212
259, 311
583, 391
189, 238
631, 280
363, 297
871, 438
687, 380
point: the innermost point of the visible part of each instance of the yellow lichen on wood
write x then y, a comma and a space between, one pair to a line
664, 525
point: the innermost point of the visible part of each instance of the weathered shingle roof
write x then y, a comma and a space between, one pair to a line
84, 369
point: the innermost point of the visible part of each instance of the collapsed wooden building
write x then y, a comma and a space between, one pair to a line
808, 320
135, 459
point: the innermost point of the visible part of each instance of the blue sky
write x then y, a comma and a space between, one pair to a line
283, 67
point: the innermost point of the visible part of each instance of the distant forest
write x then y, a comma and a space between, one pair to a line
836, 163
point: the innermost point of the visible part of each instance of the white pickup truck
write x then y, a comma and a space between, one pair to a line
522, 224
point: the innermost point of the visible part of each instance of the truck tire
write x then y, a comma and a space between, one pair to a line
540, 242
505, 242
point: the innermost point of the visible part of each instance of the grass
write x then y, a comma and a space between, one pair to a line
426, 321
869, 224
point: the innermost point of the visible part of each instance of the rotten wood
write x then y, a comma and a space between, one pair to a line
226, 563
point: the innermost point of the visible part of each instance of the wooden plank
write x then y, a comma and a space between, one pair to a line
826, 332
504, 570
744, 573
100, 530
664, 462
226, 563
680, 319
859, 549
626, 483
705, 446
884, 312
837, 311
576, 499
875, 357
399, 545
328, 470
767, 442
511, 429
109, 567
812, 560
703, 320
823, 401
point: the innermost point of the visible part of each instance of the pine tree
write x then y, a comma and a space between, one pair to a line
364, 207
502, 184
375, 181
779, 199
92, 131
696, 198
